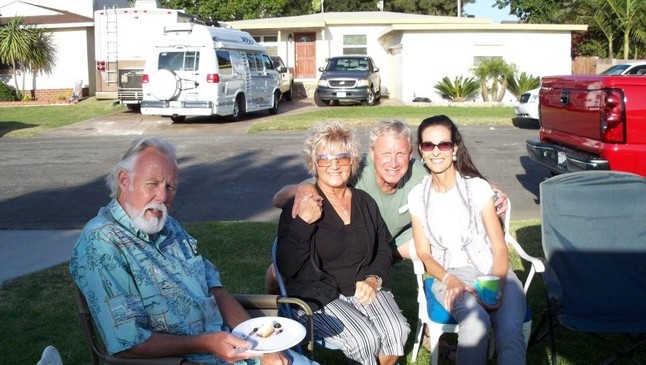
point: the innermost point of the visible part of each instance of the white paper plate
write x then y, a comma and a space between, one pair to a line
283, 333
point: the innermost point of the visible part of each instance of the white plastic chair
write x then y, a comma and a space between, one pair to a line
50, 356
440, 321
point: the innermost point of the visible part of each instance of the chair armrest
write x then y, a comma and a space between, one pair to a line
113, 360
535, 261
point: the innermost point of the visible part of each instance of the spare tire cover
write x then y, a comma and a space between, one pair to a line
164, 84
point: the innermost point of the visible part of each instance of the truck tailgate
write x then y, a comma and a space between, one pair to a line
571, 106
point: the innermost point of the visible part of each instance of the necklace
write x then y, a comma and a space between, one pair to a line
342, 208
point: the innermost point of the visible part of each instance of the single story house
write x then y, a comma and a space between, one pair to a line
413, 51
71, 24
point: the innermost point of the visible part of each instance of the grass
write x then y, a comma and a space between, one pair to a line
27, 121
40, 309
361, 116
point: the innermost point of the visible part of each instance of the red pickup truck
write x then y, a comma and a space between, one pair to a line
591, 122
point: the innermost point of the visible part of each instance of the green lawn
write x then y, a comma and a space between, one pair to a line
27, 121
40, 309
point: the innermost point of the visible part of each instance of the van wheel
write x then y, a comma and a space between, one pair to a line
288, 93
317, 99
274, 108
371, 98
177, 118
238, 108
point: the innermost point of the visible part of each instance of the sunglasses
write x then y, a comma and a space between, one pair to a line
430, 146
325, 160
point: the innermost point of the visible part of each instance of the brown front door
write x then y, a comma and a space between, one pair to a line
305, 55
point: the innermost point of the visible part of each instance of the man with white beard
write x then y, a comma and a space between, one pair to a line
150, 292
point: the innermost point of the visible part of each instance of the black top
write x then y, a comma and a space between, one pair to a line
323, 259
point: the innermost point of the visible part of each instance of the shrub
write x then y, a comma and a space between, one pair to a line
459, 89
7, 93
518, 85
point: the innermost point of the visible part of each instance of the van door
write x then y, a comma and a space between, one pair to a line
232, 72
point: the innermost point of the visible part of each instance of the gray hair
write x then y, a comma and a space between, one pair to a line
397, 127
332, 135
129, 159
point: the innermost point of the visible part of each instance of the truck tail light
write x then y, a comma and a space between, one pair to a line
212, 78
613, 116
145, 79
100, 65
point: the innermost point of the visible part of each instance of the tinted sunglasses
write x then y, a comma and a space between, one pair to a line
325, 160
430, 146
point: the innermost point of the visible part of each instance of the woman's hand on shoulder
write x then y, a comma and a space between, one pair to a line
310, 209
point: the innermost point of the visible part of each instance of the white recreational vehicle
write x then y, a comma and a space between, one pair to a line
194, 69
121, 40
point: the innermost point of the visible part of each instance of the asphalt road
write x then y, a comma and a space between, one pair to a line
56, 180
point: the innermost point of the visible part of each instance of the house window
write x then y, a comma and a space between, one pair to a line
478, 59
355, 44
270, 42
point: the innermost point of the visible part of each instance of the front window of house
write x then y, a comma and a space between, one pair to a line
355, 44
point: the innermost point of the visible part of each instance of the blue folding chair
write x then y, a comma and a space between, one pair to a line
594, 241
286, 311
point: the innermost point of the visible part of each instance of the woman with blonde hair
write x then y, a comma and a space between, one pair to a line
335, 254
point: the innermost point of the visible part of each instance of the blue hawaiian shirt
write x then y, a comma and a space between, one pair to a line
136, 284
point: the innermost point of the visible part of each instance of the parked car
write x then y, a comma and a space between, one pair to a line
348, 78
527, 106
628, 68
286, 77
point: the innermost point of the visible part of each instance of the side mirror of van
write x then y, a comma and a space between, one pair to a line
281, 69
321, 69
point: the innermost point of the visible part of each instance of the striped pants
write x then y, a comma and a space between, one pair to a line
363, 332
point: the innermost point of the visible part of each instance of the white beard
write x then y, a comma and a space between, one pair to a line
148, 225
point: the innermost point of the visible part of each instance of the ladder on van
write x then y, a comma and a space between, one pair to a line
112, 46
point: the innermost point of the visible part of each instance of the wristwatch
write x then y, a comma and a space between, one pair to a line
379, 281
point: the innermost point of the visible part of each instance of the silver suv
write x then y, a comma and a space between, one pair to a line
348, 78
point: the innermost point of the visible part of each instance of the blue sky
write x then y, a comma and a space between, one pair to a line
483, 9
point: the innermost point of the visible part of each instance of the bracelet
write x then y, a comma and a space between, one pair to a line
379, 281
445, 278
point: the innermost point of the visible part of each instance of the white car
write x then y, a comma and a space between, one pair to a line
629, 68
527, 107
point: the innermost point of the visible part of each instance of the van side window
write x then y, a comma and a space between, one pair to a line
252, 62
259, 63
224, 63
179, 61
268, 64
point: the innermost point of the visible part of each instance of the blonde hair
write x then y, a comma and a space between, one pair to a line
331, 136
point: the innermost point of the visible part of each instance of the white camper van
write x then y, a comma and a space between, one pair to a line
196, 69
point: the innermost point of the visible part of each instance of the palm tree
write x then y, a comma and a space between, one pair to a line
15, 44
25, 49
493, 74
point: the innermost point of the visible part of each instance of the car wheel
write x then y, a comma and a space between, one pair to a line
274, 109
177, 118
317, 99
371, 98
288, 93
238, 108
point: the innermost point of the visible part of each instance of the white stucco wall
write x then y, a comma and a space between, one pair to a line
429, 56
71, 62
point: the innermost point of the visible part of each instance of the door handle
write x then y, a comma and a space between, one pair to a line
565, 97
